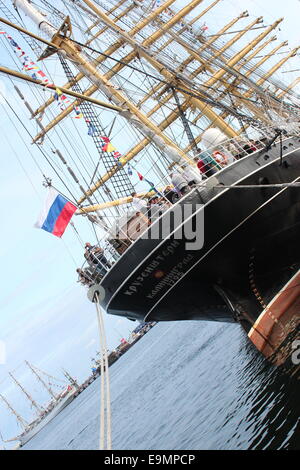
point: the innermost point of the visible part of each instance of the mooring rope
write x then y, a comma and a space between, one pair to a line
102, 396
105, 408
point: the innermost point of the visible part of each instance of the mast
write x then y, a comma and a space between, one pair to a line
47, 387
252, 69
274, 69
144, 51
224, 67
3, 440
113, 48
117, 202
215, 58
21, 420
148, 19
131, 113
232, 85
237, 57
185, 123
165, 71
289, 88
114, 8
33, 402
90, 99
206, 64
186, 62
133, 152
120, 181
171, 117
71, 379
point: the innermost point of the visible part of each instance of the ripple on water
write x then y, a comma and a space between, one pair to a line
186, 385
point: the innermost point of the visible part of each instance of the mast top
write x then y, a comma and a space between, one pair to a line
47, 387
21, 420
33, 402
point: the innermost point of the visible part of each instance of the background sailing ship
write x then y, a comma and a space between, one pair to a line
151, 86
60, 396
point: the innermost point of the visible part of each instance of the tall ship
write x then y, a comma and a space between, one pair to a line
43, 413
176, 141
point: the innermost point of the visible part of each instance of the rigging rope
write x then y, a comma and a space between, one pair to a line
48, 375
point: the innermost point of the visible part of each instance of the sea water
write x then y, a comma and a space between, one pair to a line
186, 385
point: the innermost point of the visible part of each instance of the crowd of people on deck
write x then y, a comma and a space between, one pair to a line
186, 177
183, 180
153, 207
98, 265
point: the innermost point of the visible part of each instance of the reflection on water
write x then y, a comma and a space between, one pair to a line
186, 385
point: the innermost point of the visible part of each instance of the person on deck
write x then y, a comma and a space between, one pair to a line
96, 258
250, 147
140, 205
201, 166
155, 208
180, 183
170, 194
191, 175
84, 278
206, 164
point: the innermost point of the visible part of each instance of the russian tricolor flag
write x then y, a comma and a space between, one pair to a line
56, 213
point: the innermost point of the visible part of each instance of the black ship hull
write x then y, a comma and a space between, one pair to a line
251, 248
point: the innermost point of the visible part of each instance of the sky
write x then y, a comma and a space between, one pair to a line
45, 316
